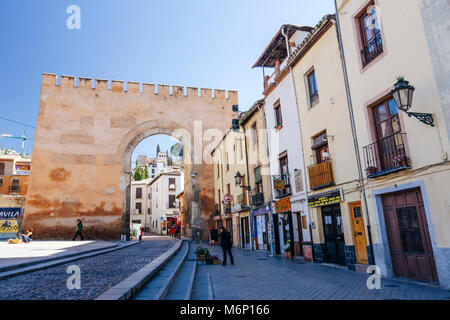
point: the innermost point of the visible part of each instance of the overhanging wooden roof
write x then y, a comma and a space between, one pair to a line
276, 50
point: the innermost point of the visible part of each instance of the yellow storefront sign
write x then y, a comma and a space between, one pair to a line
9, 226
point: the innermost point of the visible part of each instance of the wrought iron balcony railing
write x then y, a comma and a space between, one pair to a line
282, 186
321, 175
256, 197
386, 156
373, 49
14, 189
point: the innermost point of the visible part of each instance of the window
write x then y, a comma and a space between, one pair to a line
1, 182
312, 88
218, 170
258, 180
172, 185
372, 43
139, 207
254, 135
171, 201
15, 185
220, 199
138, 193
320, 146
2, 168
283, 159
228, 188
386, 119
278, 117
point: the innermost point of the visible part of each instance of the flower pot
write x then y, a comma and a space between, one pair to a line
201, 257
403, 162
288, 255
217, 262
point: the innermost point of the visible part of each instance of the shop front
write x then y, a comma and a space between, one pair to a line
328, 207
261, 228
284, 231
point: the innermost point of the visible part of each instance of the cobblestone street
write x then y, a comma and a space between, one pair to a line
255, 276
98, 274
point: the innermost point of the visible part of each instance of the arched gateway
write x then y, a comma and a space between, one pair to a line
83, 144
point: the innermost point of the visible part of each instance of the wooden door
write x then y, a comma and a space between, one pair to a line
408, 236
334, 234
359, 232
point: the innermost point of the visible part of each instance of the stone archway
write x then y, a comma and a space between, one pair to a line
84, 135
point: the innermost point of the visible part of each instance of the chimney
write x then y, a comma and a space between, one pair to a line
277, 68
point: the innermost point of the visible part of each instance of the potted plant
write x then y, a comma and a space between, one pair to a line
279, 126
201, 253
215, 259
287, 250
400, 160
371, 170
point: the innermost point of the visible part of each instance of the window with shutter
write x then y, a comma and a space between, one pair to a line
138, 193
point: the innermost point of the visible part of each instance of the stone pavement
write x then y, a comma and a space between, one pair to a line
98, 274
256, 276
12, 255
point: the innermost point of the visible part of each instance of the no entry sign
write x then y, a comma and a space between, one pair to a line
227, 198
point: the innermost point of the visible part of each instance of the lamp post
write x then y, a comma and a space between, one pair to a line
238, 180
403, 94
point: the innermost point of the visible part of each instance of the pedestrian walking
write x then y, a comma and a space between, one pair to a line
226, 242
141, 236
178, 231
79, 229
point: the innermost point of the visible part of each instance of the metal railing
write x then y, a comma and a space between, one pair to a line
257, 197
321, 175
373, 49
14, 189
281, 186
386, 155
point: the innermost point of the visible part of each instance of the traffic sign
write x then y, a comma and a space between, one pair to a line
227, 198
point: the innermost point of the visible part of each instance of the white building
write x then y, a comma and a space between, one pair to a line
162, 196
140, 204
286, 165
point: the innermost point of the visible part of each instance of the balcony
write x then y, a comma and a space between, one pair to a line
14, 189
257, 197
21, 172
282, 186
373, 49
386, 156
217, 210
321, 175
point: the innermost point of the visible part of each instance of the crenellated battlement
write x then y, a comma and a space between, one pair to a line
64, 81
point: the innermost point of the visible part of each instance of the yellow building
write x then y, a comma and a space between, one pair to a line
403, 143
14, 174
334, 196
232, 201
253, 124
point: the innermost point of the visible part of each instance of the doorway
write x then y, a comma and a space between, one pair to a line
245, 233
408, 236
333, 230
359, 232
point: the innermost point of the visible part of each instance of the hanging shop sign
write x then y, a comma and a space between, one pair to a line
326, 198
278, 184
283, 205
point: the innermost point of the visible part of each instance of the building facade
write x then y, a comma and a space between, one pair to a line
162, 195
140, 206
253, 123
232, 201
334, 196
286, 162
404, 151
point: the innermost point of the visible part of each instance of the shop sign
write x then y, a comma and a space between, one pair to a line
10, 213
278, 184
326, 198
8, 220
261, 211
283, 205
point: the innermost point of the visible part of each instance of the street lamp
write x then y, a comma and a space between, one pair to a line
403, 95
238, 180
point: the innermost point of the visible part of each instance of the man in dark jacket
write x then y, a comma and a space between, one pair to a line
79, 229
226, 243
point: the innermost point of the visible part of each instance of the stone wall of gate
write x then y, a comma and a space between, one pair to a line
86, 132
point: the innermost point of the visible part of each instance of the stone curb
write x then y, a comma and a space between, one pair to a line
41, 266
190, 285
210, 289
27, 264
161, 294
131, 285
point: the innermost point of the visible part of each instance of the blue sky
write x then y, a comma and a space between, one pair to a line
202, 43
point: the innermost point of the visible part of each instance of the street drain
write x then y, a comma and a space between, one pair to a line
391, 286
240, 275
262, 259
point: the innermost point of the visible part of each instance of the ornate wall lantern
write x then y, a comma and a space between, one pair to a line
403, 95
238, 180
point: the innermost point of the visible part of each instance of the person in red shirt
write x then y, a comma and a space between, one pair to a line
142, 233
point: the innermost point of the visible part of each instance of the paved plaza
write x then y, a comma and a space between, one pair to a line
256, 276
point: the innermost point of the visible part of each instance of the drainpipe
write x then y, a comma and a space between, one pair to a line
355, 139
298, 120
248, 192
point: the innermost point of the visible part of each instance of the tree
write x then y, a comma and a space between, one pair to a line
158, 150
145, 174
138, 174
